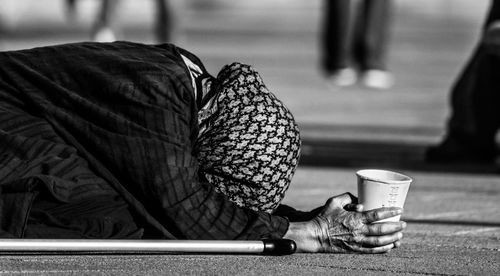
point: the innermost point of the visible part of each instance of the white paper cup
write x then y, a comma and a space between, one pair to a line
381, 188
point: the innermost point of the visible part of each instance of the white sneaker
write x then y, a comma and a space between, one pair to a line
378, 79
104, 35
342, 77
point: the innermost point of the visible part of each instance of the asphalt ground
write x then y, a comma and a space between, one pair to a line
452, 211
453, 229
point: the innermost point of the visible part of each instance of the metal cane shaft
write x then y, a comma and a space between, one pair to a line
52, 245
273, 247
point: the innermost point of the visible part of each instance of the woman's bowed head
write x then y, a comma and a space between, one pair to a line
343, 227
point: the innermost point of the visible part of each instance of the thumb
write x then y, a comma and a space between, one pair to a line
347, 198
342, 200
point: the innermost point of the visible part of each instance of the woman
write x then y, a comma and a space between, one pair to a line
124, 140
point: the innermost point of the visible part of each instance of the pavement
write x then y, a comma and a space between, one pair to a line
452, 211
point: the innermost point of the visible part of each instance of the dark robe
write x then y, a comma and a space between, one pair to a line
96, 141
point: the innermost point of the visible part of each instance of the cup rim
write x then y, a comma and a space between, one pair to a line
407, 179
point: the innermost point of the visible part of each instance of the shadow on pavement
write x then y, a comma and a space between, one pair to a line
453, 222
355, 148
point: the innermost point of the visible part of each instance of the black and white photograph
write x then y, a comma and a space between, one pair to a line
262, 137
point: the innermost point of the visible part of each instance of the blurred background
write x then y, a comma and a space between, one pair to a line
429, 44
452, 210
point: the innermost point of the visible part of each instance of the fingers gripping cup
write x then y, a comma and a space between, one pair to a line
381, 188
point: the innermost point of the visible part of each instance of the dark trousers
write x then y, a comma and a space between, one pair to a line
475, 96
356, 34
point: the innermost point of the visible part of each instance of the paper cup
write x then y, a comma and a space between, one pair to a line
381, 188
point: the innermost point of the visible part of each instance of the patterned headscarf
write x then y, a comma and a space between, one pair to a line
249, 143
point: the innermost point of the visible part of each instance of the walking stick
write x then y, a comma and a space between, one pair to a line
96, 246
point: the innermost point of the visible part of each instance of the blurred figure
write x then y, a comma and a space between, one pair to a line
103, 29
355, 39
475, 103
104, 26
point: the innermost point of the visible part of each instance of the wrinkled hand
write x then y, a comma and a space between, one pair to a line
341, 227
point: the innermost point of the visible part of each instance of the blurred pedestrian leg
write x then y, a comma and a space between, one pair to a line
355, 39
338, 31
71, 10
164, 21
104, 26
475, 103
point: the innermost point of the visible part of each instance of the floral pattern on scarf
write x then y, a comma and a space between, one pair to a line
249, 143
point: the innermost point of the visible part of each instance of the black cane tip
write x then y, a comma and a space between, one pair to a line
279, 247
